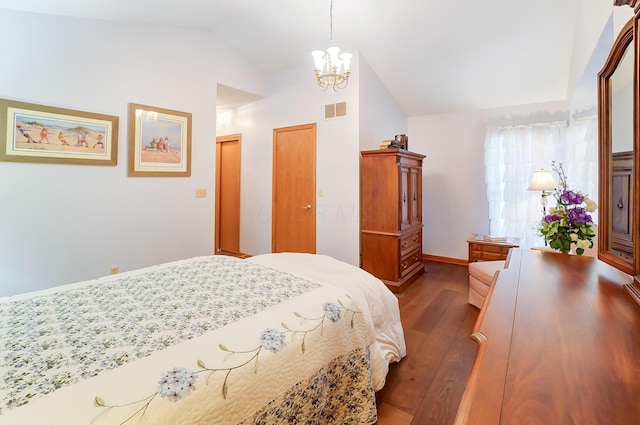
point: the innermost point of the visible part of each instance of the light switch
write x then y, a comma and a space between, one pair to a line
201, 193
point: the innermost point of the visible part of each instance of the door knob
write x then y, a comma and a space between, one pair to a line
306, 207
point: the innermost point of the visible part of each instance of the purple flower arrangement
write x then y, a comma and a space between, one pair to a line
569, 222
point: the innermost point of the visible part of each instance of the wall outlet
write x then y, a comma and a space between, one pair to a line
114, 270
201, 193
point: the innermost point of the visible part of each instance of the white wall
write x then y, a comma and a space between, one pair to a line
381, 117
96, 217
65, 223
592, 18
454, 191
296, 99
372, 116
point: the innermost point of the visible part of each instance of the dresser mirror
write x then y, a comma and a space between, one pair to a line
618, 120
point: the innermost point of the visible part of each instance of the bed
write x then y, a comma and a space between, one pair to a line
276, 338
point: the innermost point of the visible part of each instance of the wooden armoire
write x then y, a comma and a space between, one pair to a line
391, 216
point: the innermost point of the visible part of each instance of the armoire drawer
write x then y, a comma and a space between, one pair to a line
410, 242
410, 262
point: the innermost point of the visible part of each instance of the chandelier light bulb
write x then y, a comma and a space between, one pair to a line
346, 61
318, 57
333, 55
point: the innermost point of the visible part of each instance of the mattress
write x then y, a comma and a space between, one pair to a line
208, 340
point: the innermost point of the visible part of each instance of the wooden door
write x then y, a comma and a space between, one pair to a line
294, 189
227, 224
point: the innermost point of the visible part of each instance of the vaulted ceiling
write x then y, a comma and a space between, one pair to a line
434, 56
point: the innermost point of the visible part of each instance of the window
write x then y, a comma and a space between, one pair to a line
513, 153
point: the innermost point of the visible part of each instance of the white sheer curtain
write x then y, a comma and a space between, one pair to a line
581, 165
513, 153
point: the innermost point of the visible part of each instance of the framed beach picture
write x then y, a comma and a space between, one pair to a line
38, 133
159, 142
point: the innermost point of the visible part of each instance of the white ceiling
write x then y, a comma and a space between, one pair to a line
434, 56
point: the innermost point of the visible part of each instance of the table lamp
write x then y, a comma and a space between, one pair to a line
543, 181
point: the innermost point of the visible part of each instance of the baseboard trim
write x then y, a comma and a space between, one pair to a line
233, 254
449, 260
428, 257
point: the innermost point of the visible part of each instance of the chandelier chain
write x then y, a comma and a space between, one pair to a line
331, 21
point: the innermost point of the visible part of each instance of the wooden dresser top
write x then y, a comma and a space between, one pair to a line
559, 343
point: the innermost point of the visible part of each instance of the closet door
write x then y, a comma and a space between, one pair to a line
294, 189
227, 206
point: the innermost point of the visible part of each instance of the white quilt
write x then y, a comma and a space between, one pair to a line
208, 340
370, 293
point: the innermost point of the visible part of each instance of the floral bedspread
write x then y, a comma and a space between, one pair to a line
183, 342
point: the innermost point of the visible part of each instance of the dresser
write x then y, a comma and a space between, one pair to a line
391, 216
483, 250
558, 343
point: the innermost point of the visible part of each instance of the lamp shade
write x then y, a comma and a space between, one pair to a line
542, 180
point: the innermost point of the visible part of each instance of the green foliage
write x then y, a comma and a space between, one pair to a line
560, 235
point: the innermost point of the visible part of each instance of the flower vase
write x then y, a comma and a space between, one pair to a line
572, 250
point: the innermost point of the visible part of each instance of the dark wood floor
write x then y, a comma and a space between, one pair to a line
426, 386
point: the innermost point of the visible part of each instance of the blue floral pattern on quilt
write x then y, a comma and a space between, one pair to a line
55, 340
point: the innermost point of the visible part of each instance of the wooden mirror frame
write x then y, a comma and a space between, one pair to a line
606, 233
628, 37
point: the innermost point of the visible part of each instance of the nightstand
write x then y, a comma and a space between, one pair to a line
483, 250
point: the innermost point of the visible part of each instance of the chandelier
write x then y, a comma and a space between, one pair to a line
332, 68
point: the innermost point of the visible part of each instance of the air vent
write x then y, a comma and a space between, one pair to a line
330, 110
335, 110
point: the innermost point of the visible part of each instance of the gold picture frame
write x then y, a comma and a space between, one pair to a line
39, 133
159, 142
